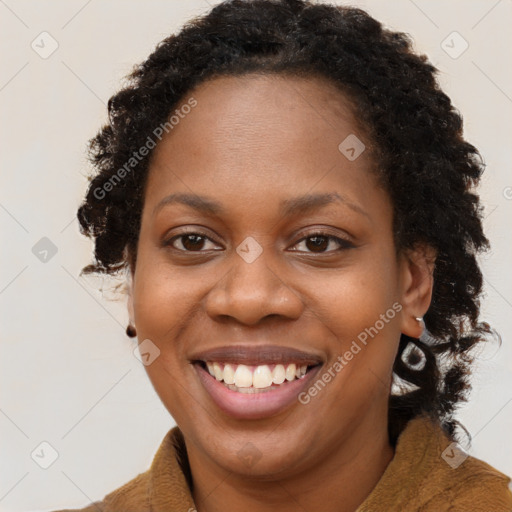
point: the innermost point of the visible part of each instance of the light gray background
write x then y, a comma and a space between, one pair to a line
68, 373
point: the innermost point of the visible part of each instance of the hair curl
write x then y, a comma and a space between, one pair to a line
424, 163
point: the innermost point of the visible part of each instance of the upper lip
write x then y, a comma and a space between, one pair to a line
257, 355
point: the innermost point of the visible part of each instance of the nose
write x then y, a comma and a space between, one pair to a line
252, 291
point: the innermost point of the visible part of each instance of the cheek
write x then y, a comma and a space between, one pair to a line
351, 300
164, 305
163, 298
361, 310
168, 311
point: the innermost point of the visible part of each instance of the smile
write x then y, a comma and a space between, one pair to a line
255, 382
254, 379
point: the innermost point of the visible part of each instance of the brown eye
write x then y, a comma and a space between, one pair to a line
193, 242
319, 243
190, 242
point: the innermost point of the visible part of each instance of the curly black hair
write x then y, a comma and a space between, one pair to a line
416, 137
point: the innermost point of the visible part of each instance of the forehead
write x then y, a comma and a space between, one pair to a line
260, 136
282, 91
259, 116
273, 105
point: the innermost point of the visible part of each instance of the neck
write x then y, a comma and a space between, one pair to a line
340, 482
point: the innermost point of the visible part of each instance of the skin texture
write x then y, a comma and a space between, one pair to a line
250, 143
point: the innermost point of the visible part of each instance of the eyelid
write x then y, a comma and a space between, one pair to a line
168, 242
344, 242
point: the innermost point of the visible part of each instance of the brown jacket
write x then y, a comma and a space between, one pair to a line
427, 474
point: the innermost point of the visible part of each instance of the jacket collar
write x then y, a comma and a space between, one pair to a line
169, 476
419, 470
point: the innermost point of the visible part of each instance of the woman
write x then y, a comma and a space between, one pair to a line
292, 198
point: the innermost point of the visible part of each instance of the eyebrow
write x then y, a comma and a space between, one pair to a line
288, 207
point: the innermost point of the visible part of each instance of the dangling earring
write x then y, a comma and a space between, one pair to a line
413, 357
419, 319
130, 331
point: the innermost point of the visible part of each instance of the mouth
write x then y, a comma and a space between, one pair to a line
255, 382
254, 379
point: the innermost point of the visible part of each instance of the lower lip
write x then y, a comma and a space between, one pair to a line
246, 406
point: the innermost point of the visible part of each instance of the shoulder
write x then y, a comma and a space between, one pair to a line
163, 486
457, 481
478, 487
431, 473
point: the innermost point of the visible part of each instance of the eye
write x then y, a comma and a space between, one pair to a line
319, 242
191, 241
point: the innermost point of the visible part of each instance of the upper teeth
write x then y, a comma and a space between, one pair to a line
243, 376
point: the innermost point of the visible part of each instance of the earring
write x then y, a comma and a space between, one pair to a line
130, 331
419, 319
413, 357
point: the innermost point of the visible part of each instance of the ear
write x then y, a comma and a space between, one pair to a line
417, 272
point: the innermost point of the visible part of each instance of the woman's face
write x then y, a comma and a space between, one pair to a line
276, 250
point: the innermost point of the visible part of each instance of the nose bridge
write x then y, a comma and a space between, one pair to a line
252, 289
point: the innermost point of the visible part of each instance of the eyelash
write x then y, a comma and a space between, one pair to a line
344, 244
